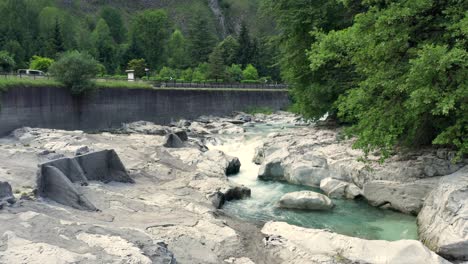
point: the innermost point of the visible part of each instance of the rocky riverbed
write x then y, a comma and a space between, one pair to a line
169, 210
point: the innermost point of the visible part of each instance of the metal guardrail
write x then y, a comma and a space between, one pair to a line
220, 85
167, 84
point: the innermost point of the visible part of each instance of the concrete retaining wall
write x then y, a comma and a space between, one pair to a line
108, 108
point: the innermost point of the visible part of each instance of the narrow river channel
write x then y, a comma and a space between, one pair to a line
349, 217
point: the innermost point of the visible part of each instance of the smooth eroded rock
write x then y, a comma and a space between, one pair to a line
443, 220
56, 179
404, 197
339, 189
293, 244
305, 200
173, 141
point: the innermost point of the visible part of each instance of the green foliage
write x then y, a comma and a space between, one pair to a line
234, 73
167, 73
229, 47
250, 73
13, 81
200, 73
114, 20
295, 21
105, 46
139, 66
40, 63
216, 69
201, 39
75, 70
397, 73
7, 63
186, 75
151, 31
246, 49
177, 50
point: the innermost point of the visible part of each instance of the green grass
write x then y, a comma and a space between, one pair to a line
11, 81
123, 85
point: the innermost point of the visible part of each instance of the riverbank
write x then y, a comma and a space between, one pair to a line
171, 212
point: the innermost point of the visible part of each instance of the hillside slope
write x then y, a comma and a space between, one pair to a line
226, 15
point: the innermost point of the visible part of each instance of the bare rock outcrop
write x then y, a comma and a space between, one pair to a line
404, 197
339, 189
443, 220
60, 179
296, 245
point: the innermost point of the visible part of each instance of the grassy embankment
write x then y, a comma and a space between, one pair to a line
11, 82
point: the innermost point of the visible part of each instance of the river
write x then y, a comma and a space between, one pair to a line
349, 217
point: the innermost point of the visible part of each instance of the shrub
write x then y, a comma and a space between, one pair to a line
234, 73
139, 66
75, 70
7, 63
41, 63
250, 81
250, 73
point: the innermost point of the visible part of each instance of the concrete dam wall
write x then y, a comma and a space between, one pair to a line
108, 108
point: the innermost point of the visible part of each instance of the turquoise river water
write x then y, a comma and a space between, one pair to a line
348, 217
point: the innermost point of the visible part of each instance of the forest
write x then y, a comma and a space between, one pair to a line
394, 73
190, 48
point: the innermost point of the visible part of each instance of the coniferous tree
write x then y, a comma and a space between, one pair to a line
56, 41
177, 49
150, 30
105, 46
201, 39
216, 69
244, 53
115, 22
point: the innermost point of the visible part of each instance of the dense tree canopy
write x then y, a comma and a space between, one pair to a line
114, 37
397, 72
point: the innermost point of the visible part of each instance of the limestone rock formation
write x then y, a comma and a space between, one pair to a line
339, 189
308, 155
305, 200
443, 220
6, 194
173, 141
299, 245
404, 197
56, 179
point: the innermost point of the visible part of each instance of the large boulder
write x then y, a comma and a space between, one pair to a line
293, 244
339, 189
182, 134
6, 194
216, 163
173, 141
305, 200
234, 192
404, 197
60, 180
443, 220
233, 166
281, 166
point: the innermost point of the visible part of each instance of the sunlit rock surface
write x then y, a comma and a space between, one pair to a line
443, 220
294, 244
